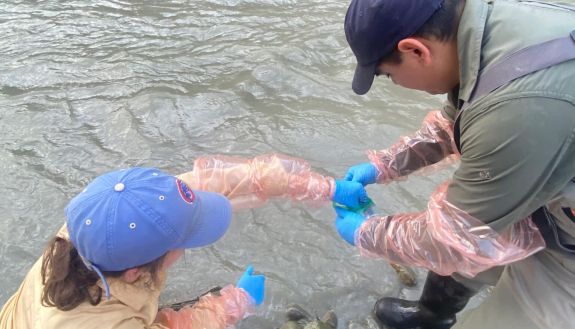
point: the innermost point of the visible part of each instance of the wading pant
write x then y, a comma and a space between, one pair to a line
535, 293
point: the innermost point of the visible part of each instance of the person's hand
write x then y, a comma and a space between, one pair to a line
350, 194
364, 173
347, 222
253, 284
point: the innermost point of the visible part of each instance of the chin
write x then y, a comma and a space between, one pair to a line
436, 92
431, 91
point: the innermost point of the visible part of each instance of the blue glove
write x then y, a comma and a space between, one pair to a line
350, 194
347, 223
364, 173
253, 284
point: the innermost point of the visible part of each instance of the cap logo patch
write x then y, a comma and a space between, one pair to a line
185, 192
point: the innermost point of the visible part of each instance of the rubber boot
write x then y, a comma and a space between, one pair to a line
441, 299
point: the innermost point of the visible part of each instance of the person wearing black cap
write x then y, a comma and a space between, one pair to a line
505, 217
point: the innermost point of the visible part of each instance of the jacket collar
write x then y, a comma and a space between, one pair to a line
469, 41
141, 296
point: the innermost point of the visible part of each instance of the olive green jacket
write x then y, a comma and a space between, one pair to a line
517, 154
517, 148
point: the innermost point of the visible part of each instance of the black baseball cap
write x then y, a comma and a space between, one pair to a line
374, 27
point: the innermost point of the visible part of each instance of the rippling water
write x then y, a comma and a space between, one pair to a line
90, 86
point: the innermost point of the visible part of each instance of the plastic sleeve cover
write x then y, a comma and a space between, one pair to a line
249, 183
446, 240
432, 143
211, 311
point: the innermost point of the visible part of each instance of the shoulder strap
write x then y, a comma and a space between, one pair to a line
526, 60
523, 62
516, 65
549, 5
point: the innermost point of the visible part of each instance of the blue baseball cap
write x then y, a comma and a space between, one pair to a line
127, 218
374, 27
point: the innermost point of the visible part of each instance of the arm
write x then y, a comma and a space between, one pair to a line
211, 311
446, 240
432, 143
510, 165
251, 182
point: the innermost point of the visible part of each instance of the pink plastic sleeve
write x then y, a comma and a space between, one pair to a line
445, 239
249, 183
432, 146
211, 311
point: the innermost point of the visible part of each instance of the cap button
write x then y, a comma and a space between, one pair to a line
119, 187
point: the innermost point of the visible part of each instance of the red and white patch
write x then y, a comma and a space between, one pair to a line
185, 192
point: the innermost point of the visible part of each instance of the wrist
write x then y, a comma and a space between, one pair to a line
331, 182
238, 304
376, 172
246, 296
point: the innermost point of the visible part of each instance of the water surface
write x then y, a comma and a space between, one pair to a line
90, 86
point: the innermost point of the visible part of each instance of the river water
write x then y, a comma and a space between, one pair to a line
89, 86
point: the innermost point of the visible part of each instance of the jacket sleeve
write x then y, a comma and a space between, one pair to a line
211, 311
432, 143
249, 183
446, 240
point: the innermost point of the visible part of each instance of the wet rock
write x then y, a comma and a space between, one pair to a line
298, 318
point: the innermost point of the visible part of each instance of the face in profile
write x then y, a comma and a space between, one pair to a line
426, 65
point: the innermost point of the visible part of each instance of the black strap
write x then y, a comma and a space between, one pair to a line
545, 222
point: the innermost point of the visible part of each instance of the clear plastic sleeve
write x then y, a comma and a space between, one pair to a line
432, 147
211, 311
446, 240
249, 183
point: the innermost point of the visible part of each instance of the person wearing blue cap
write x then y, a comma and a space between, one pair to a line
106, 267
505, 217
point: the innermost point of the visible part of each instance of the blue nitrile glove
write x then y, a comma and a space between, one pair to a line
347, 223
364, 173
253, 284
350, 194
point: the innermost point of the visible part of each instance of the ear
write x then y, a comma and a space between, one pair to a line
415, 47
131, 275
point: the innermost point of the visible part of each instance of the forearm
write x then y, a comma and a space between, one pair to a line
251, 182
211, 311
446, 240
432, 143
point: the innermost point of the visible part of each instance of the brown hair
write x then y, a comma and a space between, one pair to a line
68, 282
